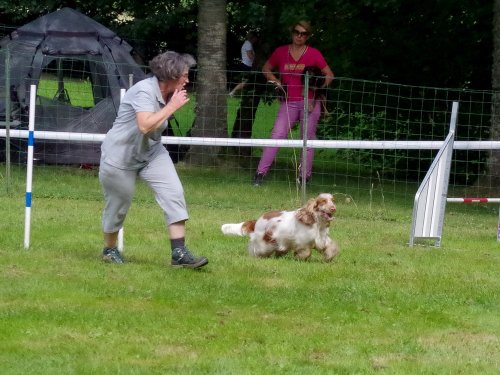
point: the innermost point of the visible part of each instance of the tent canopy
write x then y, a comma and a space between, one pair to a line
66, 47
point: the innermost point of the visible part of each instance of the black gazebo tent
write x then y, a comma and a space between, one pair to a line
66, 46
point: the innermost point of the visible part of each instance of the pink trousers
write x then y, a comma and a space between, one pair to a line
289, 114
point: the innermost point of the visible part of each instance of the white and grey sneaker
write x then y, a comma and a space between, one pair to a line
112, 255
182, 257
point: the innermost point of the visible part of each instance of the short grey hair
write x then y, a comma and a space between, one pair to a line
170, 65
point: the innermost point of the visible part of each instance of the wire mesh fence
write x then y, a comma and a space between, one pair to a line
76, 95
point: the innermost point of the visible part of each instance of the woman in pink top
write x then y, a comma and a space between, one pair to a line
289, 61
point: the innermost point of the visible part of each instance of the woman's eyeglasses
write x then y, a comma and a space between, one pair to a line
300, 33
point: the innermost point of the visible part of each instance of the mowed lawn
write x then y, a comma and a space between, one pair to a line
379, 308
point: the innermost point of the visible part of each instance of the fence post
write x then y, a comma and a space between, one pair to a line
303, 163
7, 118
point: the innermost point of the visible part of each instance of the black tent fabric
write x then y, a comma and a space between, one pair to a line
66, 45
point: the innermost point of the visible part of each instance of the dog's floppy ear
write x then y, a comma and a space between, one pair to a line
305, 217
306, 214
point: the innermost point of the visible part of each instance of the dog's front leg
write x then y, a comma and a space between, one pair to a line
303, 254
331, 250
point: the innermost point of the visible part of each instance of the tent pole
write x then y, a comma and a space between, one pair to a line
62, 94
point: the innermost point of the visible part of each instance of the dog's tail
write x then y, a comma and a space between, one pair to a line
240, 229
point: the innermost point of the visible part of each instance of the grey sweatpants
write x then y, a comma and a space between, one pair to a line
119, 187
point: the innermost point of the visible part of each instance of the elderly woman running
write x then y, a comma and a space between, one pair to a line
132, 148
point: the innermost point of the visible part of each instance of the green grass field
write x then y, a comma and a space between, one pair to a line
379, 308
79, 91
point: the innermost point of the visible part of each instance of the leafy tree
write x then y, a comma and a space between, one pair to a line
446, 43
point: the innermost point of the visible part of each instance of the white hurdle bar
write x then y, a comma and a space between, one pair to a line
479, 200
287, 143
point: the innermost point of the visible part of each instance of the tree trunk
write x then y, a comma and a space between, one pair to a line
211, 107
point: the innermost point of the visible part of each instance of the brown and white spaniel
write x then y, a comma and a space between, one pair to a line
278, 232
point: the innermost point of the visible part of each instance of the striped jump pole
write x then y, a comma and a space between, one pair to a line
473, 200
29, 168
479, 200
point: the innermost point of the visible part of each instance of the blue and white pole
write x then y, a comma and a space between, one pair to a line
29, 167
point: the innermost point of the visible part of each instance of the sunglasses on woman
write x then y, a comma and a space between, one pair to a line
300, 33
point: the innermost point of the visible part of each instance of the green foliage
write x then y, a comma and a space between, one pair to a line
363, 126
368, 110
397, 41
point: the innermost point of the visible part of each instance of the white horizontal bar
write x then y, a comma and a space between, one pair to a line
337, 144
